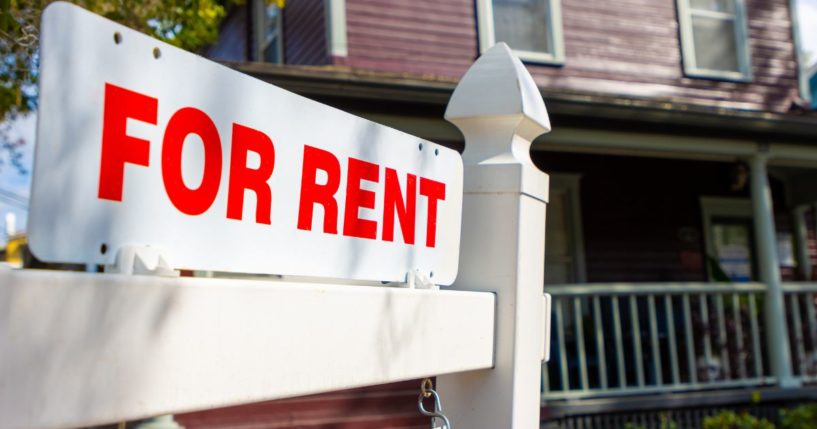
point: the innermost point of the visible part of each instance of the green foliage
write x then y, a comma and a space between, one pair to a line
800, 417
188, 24
732, 420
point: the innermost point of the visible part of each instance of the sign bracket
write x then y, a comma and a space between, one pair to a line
141, 260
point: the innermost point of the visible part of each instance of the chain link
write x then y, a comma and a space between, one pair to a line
427, 391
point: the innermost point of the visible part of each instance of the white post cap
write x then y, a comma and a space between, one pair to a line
498, 85
499, 110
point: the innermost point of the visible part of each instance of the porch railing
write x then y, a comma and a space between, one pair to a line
801, 315
614, 339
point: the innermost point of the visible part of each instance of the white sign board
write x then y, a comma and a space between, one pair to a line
141, 143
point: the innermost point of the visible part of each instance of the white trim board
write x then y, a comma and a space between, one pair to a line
87, 349
336, 42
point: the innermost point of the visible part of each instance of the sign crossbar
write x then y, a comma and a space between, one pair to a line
82, 349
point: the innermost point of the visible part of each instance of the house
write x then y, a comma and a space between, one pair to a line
682, 226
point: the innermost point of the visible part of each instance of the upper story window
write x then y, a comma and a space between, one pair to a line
532, 28
269, 31
714, 40
804, 17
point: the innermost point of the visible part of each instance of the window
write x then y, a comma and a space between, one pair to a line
713, 39
532, 28
269, 32
804, 15
564, 247
729, 233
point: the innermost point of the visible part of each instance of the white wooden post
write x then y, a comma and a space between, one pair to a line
499, 110
768, 263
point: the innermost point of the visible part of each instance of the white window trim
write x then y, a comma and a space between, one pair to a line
802, 68
487, 36
741, 41
571, 184
259, 20
336, 27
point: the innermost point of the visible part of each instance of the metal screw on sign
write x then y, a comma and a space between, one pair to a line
427, 391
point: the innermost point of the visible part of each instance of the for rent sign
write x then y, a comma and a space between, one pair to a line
140, 143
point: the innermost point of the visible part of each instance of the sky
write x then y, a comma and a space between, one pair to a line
11, 181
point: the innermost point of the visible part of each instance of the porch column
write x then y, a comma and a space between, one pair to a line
776, 331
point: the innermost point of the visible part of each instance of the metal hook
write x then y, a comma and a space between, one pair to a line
438, 409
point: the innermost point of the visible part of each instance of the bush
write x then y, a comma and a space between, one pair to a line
732, 420
800, 417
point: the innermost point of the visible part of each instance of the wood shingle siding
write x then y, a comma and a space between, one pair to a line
305, 33
419, 37
625, 47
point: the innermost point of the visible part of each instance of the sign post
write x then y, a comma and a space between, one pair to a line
499, 110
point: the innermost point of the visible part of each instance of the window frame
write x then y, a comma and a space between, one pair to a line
570, 185
487, 35
691, 69
259, 32
802, 68
734, 207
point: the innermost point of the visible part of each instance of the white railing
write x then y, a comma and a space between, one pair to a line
613, 339
802, 324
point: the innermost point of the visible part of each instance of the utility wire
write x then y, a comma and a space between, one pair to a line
10, 195
13, 199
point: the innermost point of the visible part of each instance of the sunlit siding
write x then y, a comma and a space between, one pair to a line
620, 47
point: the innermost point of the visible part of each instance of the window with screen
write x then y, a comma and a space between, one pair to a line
713, 39
532, 28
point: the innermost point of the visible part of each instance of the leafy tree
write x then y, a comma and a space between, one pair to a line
188, 24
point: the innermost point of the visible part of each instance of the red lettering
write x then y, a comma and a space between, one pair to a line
246, 139
118, 147
184, 122
356, 198
434, 191
312, 193
393, 202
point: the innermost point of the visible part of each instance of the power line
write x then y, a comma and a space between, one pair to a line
13, 199
10, 195
13, 203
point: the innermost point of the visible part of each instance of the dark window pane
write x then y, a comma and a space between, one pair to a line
271, 54
715, 45
523, 24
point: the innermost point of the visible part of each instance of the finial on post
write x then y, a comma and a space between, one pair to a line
498, 108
